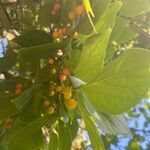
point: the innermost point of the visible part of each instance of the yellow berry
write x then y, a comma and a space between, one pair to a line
46, 103
75, 34
52, 93
50, 110
68, 95
53, 71
67, 92
72, 103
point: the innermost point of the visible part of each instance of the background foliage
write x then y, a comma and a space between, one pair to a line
114, 63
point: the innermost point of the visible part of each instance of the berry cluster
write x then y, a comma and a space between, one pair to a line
58, 88
73, 15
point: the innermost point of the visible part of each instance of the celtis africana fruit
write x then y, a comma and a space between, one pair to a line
80, 9
50, 110
46, 103
65, 71
72, 103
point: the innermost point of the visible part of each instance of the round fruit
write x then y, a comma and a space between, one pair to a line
67, 92
19, 86
50, 61
58, 89
56, 35
60, 32
75, 34
46, 103
65, 71
62, 77
80, 9
72, 104
53, 71
68, 95
64, 31
52, 93
50, 110
8, 123
18, 91
72, 15
57, 6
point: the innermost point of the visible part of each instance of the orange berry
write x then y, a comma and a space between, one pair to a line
58, 89
65, 71
19, 86
64, 31
18, 91
57, 6
72, 103
50, 61
8, 123
52, 93
56, 35
62, 77
72, 15
53, 12
50, 110
80, 9
60, 32
46, 103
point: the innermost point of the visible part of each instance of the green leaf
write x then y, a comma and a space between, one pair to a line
107, 20
32, 38
44, 15
75, 57
135, 7
122, 32
66, 133
10, 84
34, 141
92, 57
8, 60
31, 141
99, 7
53, 144
7, 109
93, 131
121, 84
108, 124
30, 128
41, 51
24, 99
